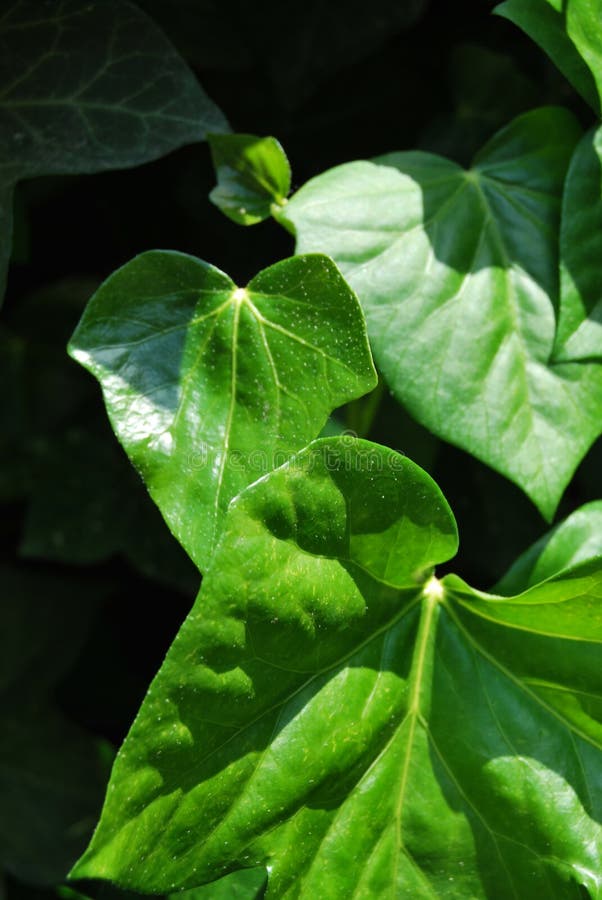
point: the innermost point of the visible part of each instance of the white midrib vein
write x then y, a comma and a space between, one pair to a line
429, 605
238, 301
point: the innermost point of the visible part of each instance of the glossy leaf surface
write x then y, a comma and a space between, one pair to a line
457, 272
576, 540
580, 318
86, 87
313, 715
252, 174
210, 386
570, 32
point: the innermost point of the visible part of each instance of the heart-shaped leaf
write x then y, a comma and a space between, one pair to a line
569, 32
86, 87
457, 272
210, 386
579, 333
332, 711
253, 174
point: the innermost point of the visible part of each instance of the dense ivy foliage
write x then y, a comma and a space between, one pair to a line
404, 369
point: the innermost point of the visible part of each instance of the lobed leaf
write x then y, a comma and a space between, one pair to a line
210, 386
330, 711
253, 173
457, 272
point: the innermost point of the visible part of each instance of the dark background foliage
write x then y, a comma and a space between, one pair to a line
350, 82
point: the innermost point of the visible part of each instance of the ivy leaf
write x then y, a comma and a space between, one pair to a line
253, 173
246, 884
457, 272
569, 33
579, 335
312, 714
576, 540
88, 87
198, 374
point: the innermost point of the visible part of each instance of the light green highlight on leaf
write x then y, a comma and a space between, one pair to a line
332, 711
457, 272
210, 386
253, 175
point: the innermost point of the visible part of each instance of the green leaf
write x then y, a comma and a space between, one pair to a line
457, 272
247, 884
252, 174
210, 386
579, 335
583, 20
576, 540
559, 29
88, 87
332, 712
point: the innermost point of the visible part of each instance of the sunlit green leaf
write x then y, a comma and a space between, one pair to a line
86, 87
457, 272
253, 173
334, 712
210, 386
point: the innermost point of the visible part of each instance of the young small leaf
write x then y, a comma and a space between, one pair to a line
579, 335
457, 272
210, 386
552, 25
253, 175
86, 87
362, 729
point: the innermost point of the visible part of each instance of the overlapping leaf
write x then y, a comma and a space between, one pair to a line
579, 335
87, 87
570, 32
576, 540
457, 272
333, 712
210, 386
